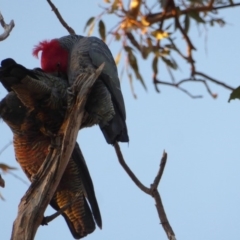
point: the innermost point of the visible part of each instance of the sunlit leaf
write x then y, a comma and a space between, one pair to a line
118, 57
102, 30
90, 31
134, 8
159, 34
195, 15
89, 22
144, 21
235, 94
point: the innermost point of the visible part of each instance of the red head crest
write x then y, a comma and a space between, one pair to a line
54, 57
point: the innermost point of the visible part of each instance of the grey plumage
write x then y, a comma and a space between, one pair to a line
44, 96
86, 54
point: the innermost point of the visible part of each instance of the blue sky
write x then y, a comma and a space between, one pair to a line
200, 186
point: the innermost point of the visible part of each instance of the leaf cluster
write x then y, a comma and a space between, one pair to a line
154, 31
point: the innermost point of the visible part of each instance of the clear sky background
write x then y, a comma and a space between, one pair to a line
200, 186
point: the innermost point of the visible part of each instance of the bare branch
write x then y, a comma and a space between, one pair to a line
60, 18
7, 28
42, 189
214, 80
19, 178
128, 170
5, 147
161, 169
176, 85
152, 191
158, 17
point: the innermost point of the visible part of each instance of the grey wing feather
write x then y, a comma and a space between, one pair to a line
89, 53
99, 53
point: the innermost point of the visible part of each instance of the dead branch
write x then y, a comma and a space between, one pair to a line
152, 191
7, 28
60, 18
33, 204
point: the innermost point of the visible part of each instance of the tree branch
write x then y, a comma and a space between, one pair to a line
214, 80
60, 18
7, 28
152, 191
42, 189
158, 17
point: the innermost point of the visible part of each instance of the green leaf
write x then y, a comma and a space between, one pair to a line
145, 51
134, 65
89, 22
235, 94
90, 31
128, 49
117, 36
114, 6
155, 65
133, 40
118, 57
102, 30
196, 16
186, 23
171, 63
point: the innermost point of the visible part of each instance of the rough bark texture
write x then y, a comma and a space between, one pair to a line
33, 204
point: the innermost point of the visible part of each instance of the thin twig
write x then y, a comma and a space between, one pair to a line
19, 178
60, 18
5, 147
152, 191
7, 28
161, 169
176, 85
158, 17
214, 80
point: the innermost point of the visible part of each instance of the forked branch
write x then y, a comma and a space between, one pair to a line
7, 28
152, 191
